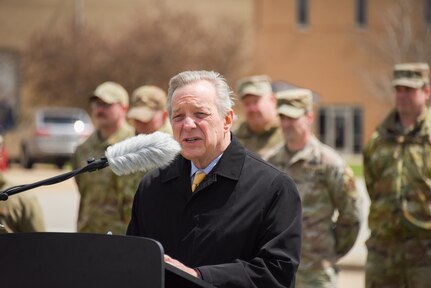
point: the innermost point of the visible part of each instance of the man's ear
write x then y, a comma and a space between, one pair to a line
165, 116
426, 90
273, 99
310, 117
228, 121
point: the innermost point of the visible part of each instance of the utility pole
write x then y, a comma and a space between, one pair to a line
78, 24
78, 17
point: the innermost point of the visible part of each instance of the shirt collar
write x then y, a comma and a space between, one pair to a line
207, 169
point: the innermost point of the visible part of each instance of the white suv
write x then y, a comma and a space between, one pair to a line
54, 135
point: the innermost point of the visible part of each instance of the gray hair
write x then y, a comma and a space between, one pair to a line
224, 93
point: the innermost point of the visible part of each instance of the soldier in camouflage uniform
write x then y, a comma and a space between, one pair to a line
147, 115
148, 112
397, 169
331, 218
20, 213
106, 199
260, 131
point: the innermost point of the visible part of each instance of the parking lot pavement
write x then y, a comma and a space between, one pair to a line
351, 278
352, 265
60, 204
59, 201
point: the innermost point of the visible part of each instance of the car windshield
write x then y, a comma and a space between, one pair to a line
60, 120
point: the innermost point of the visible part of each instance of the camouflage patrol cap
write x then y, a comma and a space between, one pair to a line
111, 92
146, 100
413, 75
294, 103
254, 85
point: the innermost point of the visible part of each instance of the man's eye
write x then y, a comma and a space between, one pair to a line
201, 115
177, 117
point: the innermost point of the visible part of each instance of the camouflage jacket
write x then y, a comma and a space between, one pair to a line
135, 178
259, 143
106, 199
331, 216
397, 170
20, 213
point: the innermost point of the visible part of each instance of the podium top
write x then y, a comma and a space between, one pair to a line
177, 278
71, 260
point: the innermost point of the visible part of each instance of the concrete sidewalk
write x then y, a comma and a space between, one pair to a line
357, 256
352, 265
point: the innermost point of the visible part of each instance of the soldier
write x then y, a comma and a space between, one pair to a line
397, 169
261, 129
148, 112
326, 186
106, 199
20, 213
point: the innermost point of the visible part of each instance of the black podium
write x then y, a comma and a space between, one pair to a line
71, 260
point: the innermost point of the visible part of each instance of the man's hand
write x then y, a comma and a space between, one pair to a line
180, 266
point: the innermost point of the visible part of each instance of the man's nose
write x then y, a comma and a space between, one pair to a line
189, 123
286, 122
252, 108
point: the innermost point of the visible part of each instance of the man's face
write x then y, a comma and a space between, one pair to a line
151, 126
106, 115
197, 124
295, 129
411, 101
259, 111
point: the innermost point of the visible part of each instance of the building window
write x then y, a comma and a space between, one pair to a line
340, 132
357, 127
302, 15
361, 13
341, 128
427, 10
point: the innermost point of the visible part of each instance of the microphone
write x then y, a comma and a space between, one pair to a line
138, 153
142, 153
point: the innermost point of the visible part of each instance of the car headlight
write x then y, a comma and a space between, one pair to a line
79, 126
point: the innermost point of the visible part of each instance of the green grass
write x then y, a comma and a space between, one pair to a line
357, 170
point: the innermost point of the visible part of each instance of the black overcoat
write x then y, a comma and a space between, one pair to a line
240, 228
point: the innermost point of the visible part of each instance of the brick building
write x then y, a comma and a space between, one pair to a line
331, 47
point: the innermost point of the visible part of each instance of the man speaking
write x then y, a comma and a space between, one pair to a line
221, 213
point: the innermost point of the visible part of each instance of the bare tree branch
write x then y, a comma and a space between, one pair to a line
405, 38
62, 69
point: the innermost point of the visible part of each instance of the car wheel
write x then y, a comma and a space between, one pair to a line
59, 164
25, 158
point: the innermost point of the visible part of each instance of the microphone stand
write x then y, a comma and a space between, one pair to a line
93, 165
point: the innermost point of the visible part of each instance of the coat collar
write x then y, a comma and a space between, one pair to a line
391, 125
244, 131
229, 166
420, 133
308, 153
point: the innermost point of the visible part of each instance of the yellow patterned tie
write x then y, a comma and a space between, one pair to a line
199, 176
